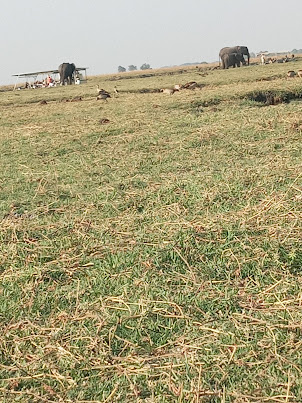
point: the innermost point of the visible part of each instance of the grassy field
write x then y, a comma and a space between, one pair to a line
150, 245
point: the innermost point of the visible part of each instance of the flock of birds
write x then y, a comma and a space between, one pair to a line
191, 85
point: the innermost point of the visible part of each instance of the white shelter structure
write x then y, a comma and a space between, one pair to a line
33, 77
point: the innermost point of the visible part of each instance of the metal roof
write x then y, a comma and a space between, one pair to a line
45, 72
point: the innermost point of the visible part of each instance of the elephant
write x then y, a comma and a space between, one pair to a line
232, 59
67, 73
243, 50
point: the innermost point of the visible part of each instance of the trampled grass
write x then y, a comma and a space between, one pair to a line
156, 255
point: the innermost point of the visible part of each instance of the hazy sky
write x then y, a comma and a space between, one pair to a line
41, 34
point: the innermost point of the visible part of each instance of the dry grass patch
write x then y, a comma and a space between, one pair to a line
156, 257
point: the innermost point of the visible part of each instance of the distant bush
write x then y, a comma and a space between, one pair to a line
121, 69
145, 66
297, 51
132, 67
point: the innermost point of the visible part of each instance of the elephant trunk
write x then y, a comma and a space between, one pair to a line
248, 59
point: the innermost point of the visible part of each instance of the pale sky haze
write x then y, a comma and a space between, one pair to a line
39, 35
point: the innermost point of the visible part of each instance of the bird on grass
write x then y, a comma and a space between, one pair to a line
291, 73
102, 94
190, 85
169, 91
99, 90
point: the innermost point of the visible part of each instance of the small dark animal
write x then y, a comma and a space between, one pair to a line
291, 74
76, 99
103, 96
190, 85
104, 121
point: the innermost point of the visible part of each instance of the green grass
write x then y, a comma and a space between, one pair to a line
156, 257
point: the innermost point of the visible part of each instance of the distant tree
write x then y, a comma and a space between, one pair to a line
145, 66
132, 67
296, 51
121, 69
252, 55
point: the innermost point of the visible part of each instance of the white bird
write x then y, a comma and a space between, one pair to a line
169, 91
178, 87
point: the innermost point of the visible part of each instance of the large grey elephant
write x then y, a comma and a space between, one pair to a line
232, 59
67, 73
243, 50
